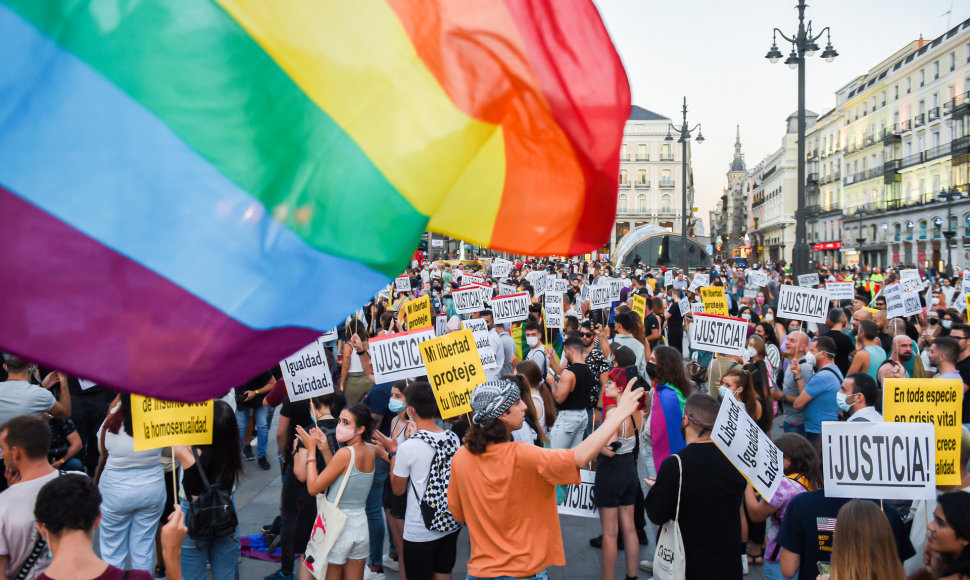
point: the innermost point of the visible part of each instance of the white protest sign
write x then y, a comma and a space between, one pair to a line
437, 243
684, 306
758, 278
599, 297
966, 281
879, 460
894, 300
402, 284
538, 281
808, 280
961, 302
699, 281
468, 299
510, 308
441, 325
385, 293
696, 307
912, 305
479, 330
396, 356
910, 281
840, 290
505, 289
669, 278
560, 285
720, 334
578, 500
748, 448
306, 373
329, 336
799, 303
616, 285
751, 292
554, 310
472, 279
485, 290
86, 384
501, 268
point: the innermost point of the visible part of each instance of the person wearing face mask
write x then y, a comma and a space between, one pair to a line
859, 398
816, 397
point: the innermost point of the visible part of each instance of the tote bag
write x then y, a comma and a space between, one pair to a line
327, 526
669, 561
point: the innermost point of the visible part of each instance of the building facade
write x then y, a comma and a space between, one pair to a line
732, 217
823, 191
650, 176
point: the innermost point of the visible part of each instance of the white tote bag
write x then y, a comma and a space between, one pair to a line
669, 561
327, 526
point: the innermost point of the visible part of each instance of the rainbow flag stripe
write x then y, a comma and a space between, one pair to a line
193, 189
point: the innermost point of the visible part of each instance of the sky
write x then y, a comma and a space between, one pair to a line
712, 52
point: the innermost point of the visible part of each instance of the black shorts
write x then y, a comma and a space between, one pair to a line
616, 481
423, 560
395, 504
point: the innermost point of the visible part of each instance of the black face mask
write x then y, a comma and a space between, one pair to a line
651, 369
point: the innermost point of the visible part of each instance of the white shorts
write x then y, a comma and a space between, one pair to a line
354, 540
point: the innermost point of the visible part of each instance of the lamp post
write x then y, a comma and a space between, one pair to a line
684, 136
803, 45
949, 233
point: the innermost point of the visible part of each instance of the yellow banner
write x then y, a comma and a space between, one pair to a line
419, 313
714, 300
454, 369
640, 305
936, 401
157, 423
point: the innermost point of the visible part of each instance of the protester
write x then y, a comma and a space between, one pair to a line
947, 555
67, 512
797, 345
859, 398
737, 383
669, 394
571, 393
249, 402
495, 481
708, 490
760, 372
624, 323
835, 324
542, 401
356, 374
24, 442
817, 398
766, 331
19, 397
944, 353
132, 486
863, 547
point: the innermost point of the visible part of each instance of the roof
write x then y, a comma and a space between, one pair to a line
641, 114
807, 114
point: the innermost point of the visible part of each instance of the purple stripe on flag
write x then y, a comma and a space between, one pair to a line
71, 303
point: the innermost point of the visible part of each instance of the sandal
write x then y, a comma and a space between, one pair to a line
756, 559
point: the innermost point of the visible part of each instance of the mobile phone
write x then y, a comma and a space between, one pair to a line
632, 373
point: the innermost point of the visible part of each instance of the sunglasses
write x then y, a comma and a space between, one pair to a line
588, 334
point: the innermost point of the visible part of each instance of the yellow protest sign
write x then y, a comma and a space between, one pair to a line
454, 369
157, 423
936, 401
640, 305
714, 300
419, 313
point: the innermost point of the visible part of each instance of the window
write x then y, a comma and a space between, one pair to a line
665, 154
952, 226
909, 231
624, 155
642, 153
922, 76
623, 177
883, 99
935, 100
922, 107
922, 229
665, 203
895, 92
865, 109
953, 61
896, 231
936, 138
642, 176
666, 177
621, 204
642, 203
966, 218
909, 85
936, 69
873, 103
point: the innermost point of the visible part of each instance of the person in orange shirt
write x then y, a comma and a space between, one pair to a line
505, 491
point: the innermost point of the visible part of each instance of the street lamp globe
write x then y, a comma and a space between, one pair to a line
829, 53
792, 60
774, 55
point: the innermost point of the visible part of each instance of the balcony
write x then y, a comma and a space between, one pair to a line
643, 158
666, 157
643, 185
667, 184
936, 152
813, 178
625, 157
813, 210
919, 120
891, 134
933, 114
890, 171
812, 155
957, 105
960, 146
910, 160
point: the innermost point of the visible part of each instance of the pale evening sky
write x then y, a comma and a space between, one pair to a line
712, 52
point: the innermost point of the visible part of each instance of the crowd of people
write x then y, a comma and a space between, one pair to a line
614, 391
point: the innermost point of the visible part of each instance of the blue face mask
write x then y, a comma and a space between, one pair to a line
395, 406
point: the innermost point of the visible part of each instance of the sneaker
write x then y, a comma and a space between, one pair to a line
252, 442
263, 463
744, 564
390, 563
248, 453
279, 575
646, 565
371, 575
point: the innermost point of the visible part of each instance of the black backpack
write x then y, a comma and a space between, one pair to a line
211, 515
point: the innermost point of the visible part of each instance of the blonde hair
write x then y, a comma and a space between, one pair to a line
864, 547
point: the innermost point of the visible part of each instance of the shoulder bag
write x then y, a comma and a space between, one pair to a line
670, 561
330, 521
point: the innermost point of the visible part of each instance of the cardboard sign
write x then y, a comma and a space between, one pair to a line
699, 281
748, 448
396, 356
966, 282
306, 373
599, 297
808, 280
840, 290
385, 293
578, 500
419, 313
640, 306
468, 299
156, 423
910, 281
684, 306
402, 284
560, 285
472, 279
714, 300
616, 286
668, 278
893, 294
720, 334
510, 308
757, 278
878, 460
441, 325
479, 330
696, 307
912, 304
501, 268
455, 368
538, 281
935, 401
486, 292
554, 311
751, 292
506, 289
798, 303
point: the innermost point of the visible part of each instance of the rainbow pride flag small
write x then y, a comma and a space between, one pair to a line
192, 190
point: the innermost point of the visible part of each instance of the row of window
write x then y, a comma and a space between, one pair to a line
666, 177
622, 205
666, 152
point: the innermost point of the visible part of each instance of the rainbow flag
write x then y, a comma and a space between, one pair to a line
192, 190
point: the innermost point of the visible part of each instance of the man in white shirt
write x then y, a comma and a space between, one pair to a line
859, 397
19, 397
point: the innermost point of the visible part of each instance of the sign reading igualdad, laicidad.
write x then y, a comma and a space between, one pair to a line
307, 373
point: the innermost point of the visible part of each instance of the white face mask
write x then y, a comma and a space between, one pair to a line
769, 317
746, 316
810, 358
532, 341
751, 352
